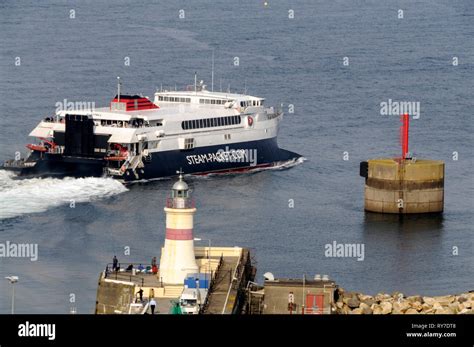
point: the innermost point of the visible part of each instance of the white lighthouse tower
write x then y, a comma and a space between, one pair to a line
177, 257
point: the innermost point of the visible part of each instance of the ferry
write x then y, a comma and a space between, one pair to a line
194, 130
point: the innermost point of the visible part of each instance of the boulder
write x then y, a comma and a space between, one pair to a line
401, 306
397, 295
417, 305
346, 297
345, 310
411, 311
429, 300
369, 300
376, 309
382, 297
414, 298
426, 307
365, 308
444, 300
386, 307
451, 310
363, 297
356, 311
454, 307
442, 310
353, 302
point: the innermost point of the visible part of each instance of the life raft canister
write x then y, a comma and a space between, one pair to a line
250, 121
38, 148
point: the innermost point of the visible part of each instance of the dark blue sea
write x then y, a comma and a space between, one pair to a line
295, 61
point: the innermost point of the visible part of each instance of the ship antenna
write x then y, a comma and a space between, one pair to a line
195, 82
118, 88
212, 72
220, 85
245, 86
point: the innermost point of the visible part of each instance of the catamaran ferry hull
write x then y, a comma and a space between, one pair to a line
237, 157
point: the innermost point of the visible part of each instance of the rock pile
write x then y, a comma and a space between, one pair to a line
397, 303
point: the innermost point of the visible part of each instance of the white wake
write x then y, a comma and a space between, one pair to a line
22, 196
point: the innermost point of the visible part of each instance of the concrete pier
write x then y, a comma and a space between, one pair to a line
403, 186
229, 268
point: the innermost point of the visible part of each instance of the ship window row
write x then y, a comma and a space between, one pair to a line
251, 103
210, 122
173, 99
213, 101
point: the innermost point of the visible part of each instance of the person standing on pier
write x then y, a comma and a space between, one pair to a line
115, 263
152, 305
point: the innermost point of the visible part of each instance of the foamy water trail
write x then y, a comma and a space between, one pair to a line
22, 196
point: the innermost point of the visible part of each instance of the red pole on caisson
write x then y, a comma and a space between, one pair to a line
405, 184
405, 119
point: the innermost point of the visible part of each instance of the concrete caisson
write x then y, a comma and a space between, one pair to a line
403, 186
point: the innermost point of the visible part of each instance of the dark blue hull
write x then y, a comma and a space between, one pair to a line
202, 160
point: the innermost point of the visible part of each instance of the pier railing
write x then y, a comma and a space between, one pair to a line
204, 306
143, 278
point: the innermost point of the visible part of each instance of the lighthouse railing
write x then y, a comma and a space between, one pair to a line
180, 203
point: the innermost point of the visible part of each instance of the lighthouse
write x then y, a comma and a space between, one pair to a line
177, 257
